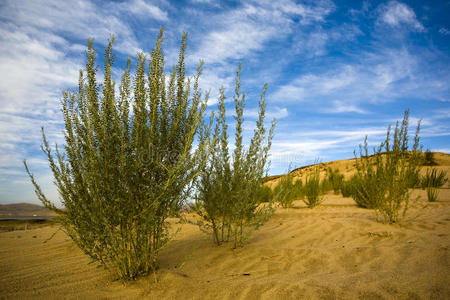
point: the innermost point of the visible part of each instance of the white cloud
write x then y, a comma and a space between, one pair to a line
33, 71
40, 55
376, 77
248, 28
144, 9
444, 31
343, 107
318, 41
309, 86
306, 147
203, 1
78, 18
397, 14
307, 13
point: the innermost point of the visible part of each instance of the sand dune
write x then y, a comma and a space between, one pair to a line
24, 209
334, 251
347, 168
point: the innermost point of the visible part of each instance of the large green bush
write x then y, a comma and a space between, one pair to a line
228, 199
123, 171
383, 179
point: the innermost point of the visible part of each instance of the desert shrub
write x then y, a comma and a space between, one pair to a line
433, 178
347, 188
432, 194
298, 189
287, 191
312, 188
265, 194
325, 185
432, 181
383, 179
368, 183
414, 180
228, 190
335, 180
428, 158
122, 172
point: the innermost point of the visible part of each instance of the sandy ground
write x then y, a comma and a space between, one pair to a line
334, 251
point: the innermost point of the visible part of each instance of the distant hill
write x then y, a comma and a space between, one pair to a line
24, 209
347, 168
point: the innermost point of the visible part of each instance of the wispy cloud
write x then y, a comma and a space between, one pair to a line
374, 77
40, 55
247, 28
342, 107
277, 113
305, 147
397, 14
444, 31
143, 9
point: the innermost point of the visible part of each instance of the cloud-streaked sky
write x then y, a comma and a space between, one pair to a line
336, 70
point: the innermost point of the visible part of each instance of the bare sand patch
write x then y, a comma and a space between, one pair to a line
336, 250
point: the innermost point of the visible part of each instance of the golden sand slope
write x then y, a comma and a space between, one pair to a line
347, 168
334, 251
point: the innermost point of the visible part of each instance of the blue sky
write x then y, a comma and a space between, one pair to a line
336, 70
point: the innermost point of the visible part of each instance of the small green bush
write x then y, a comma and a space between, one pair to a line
287, 191
432, 181
312, 188
265, 194
325, 186
229, 190
433, 178
347, 188
428, 158
367, 185
335, 180
432, 194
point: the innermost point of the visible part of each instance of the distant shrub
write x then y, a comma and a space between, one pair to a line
433, 178
265, 194
432, 194
383, 179
347, 188
312, 188
432, 181
428, 159
368, 188
335, 180
325, 185
287, 191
